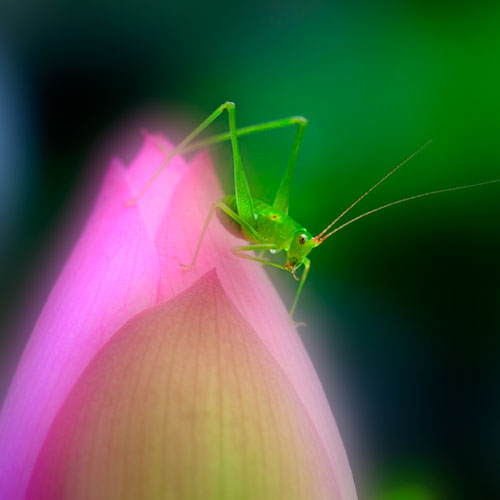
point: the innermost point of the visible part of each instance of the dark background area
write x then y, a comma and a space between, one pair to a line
402, 307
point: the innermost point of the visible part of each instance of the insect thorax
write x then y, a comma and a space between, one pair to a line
272, 225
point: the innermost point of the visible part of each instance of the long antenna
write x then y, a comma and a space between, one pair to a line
320, 240
397, 167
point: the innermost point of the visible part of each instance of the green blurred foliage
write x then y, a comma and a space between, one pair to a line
404, 304
412, 481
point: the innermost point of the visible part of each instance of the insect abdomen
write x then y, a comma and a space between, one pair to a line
229, 223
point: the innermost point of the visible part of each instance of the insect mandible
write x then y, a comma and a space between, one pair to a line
266, 226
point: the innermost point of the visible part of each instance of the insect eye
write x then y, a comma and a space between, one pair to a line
302, 239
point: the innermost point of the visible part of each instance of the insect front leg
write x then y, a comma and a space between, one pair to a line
307, 265
240, 252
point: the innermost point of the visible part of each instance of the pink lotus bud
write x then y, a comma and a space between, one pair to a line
143, 380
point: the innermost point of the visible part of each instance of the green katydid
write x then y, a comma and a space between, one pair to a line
269, 227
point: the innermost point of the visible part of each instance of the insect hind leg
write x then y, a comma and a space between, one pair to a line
181, 147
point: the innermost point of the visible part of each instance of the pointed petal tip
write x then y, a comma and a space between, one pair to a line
184, 401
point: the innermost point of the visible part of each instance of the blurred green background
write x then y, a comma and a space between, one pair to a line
402, 307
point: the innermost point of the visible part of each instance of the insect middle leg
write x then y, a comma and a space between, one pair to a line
232, 214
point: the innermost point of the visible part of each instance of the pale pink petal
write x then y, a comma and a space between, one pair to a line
250, 290
111, 275
116, 271
184, 403
155, 200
